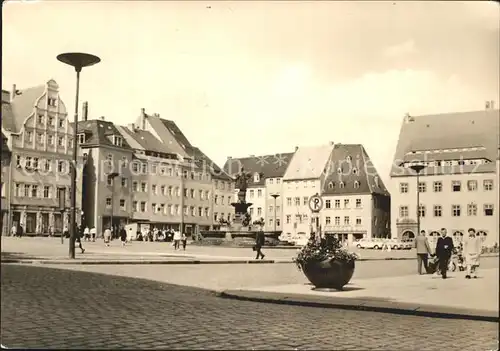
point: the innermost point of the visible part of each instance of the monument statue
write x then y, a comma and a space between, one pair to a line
241, 206
242, 184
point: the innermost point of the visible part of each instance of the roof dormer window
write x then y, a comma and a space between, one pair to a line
356, 184
331, 185
117, 140
256, 177
81, 138
348, 158
51, 102
341, 185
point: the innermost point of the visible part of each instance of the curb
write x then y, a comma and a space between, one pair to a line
137, 262
402, 308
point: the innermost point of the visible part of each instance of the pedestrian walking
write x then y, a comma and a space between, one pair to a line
123, 236
472, 252
107, 236
177, 239
444, 248
184, 241
13, 230
86, 234
93, 233
78, 238
20, 231
51, 231
423, 251
260, 240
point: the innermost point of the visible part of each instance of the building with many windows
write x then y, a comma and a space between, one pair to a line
265, 186
356, 202
458, 188
35, 122
304, 177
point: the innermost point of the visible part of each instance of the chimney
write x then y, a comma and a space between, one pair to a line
489, 105
131, 126
143, 118
331, 143
13, 92
296, 148
252, 155
102, 118
85, 111
229, 157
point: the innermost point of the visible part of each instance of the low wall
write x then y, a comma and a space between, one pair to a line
243, 238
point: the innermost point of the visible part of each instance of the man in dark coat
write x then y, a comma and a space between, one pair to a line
444, 249
260, 240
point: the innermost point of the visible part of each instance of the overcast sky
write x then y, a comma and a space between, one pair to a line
243, 78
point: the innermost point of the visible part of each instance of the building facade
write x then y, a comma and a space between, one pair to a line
5, 193
35, 122
265, 186
356, 202
458, 186
304, 177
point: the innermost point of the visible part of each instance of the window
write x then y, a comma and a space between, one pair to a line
122, 204
144, 168
327, 220
135, 186
191, 192
124, 182
358, 220
60, 166
356, 184
403, 211
47, 165
50, 121
40, 119
117, 140
278, 180
109, 181
305, 200
251, 193
488, 209
61, 123
471, 210
26, 190
216, 198
288, 219
200, 211
421, 210
358, 203
337, 220
472, 185
144, 187
438, 211
60, 141
256, 177
35, 162
143, 206
259, 193
193, 211
207, 212
70, 143
341, 185
289, 201
108, 202
135, 167
297, 201
298, 218
337, 203
81, 138
51, 102
456, 185
41, 138
170, 191
346, 220
46, 191
29, 136
422, 187
488, 184
278, 222
134, 206
455, 210
27, 162
154, 189
278, 208
259, 211
50, 139
331, 185
328, 203
346, 203
271, 209
438, 186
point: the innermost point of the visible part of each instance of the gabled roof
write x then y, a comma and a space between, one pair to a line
308, 162
97, 133
24, 103
145, 139
451, 131
268, 166
5, 146
354, 165
166, 135
216, 171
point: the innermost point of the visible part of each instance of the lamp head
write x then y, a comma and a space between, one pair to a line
78, 59
417, 168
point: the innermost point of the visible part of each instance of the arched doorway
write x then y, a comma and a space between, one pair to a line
408, 234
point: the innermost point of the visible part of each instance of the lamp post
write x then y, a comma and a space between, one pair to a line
77, 60
417, 168
112, 177
275, 196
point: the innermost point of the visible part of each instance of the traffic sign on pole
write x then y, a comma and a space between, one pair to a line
316, 203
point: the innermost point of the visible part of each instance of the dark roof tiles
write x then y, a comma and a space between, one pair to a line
98, 132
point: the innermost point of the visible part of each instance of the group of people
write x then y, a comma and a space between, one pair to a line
470, 249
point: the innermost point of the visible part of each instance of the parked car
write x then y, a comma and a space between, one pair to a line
407, 244
395, 244
375, 244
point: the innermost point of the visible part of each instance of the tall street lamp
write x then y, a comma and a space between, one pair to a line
78, 60
112, 177
417, 168
275, 196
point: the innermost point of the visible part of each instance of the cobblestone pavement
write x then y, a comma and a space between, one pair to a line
231, 276
52, 308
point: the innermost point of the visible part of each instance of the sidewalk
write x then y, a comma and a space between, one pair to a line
427, 295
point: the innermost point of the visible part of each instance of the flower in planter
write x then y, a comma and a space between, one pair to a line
330, 248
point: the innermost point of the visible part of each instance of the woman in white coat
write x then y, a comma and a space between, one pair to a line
471, 252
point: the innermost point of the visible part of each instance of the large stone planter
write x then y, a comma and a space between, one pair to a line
332, 274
